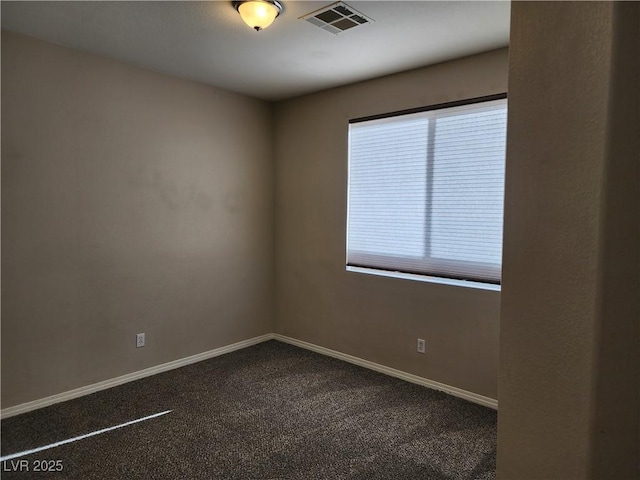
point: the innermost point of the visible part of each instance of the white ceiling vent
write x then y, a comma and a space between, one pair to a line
337, 18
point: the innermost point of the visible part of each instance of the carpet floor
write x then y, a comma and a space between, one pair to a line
271, 411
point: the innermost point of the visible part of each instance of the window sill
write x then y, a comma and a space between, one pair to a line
425, 278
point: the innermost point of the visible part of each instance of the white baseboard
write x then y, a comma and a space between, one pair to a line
456, 392
130, 377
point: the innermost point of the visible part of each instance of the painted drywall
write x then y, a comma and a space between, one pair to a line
375, 318
569, 365
131, 202
616, 432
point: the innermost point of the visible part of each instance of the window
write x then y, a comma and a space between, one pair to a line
426, 190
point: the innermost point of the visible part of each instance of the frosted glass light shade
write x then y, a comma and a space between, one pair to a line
259, 14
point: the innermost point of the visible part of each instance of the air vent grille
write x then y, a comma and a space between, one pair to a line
337, 18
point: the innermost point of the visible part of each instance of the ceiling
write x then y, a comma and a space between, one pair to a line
209, 43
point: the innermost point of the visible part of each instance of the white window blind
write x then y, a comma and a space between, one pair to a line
426, 191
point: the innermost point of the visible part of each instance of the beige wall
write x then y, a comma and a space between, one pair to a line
131, 202
569, 347
615, 445
375, 318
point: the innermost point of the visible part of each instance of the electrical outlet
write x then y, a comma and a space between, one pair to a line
421, 345
140, 340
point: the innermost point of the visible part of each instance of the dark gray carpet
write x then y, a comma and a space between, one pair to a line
265, 412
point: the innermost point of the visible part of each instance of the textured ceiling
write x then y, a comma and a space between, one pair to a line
208, 42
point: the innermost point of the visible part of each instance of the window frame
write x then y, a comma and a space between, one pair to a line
436, 275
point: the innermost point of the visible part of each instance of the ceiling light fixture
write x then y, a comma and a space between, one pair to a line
258, 14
